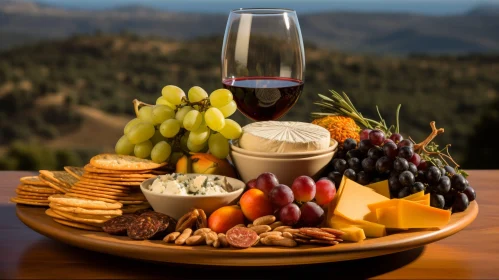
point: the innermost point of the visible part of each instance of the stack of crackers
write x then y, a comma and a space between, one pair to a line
33, 191
82, 213
107, 187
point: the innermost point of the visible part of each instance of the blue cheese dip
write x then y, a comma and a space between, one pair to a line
181, 184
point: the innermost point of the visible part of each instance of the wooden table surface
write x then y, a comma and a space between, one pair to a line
471, 253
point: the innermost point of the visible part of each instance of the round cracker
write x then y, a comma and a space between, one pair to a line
90, 168
131, 202
32, 180
36, 189
80, 218
123, 162
99, 193
110, 190
127, 188
121, 175
134, 197
132, 208
34, 198
29, 201
18, 191
49, 212
119, 183
78, 225
79, 210
83, 202
114, 179
99, 189
92, 197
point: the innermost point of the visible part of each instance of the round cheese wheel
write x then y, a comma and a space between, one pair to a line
284, 137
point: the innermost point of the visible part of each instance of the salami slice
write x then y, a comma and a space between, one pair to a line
165, 224
241, 237
144, 227
118, 225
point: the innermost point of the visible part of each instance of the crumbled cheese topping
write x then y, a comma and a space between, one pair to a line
180, 184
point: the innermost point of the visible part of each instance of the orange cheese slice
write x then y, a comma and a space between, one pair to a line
415, 196
425, 200
354, 200
409, 214
370, 229
380, 187
352, 233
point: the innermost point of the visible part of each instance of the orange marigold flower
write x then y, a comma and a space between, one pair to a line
340, 127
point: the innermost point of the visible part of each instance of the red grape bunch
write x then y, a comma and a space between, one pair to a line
302, 203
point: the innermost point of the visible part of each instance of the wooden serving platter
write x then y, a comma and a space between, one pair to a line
158, 251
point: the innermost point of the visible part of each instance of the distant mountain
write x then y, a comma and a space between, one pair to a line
485, 10
476, 31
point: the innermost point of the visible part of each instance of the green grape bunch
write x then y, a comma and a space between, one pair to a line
178, 123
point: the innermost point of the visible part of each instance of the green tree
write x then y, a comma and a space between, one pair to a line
483, 151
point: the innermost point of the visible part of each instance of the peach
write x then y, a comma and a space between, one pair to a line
209, 164
255, 204
224, 218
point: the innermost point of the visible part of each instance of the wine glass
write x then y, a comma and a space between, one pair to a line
263, 61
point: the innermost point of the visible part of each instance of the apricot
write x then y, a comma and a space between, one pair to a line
225, 218
183, 165
255, 204
209, 164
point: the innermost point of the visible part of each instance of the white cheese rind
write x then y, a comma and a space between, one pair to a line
284, 137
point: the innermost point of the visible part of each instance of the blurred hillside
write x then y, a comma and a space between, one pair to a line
61, 102
24, 22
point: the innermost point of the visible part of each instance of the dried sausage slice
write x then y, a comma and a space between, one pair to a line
241, 237
118, 225
165, 227
144, 227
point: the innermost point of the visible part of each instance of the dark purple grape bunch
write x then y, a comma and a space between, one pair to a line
372, 159
449, 189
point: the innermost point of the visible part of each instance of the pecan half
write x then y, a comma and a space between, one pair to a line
187, 221
201, 221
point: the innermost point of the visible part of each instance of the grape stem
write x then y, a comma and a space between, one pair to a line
421, 147
136, 104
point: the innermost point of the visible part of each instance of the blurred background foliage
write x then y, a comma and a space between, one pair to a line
63, 100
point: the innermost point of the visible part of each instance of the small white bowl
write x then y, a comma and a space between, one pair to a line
176, 206
285, 169
234, 145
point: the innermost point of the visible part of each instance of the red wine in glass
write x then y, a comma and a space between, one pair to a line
263, 61
264, 98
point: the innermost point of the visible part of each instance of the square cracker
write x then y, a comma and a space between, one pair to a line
53, 184
61, 177
75, 171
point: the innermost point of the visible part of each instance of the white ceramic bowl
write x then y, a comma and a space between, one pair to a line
234, 145
285, 169
176, 206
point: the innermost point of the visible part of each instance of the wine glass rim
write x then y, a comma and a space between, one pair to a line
262, 11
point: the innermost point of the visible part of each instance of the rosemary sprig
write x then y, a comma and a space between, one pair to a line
341, 105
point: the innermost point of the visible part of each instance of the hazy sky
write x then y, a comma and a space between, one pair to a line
417, 6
